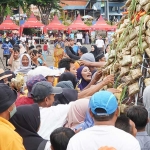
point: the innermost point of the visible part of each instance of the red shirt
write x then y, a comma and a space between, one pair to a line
24, 101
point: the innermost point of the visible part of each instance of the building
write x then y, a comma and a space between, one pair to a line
94, 8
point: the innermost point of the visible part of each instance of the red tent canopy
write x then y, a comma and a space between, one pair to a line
32, 22
8, 24
78, 24
102, 25
55, 25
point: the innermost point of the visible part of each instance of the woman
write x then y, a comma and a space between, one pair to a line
58, 54
94, 50
87, 38
22, 49
67, 76
84, 77
25, 64
27, 123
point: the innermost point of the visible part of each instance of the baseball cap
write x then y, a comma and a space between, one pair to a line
105, 100
7, 97
33, 80
42, 89
43, 70
88, 57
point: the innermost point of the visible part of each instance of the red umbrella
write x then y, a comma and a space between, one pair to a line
8, 24
55, 25
78, 24
102, 25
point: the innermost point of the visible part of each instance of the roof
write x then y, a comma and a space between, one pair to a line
8, 24
74, 2
73, 7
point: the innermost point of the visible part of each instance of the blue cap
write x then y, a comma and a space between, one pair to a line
105, 100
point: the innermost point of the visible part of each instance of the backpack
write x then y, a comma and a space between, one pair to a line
42, 145
45, 47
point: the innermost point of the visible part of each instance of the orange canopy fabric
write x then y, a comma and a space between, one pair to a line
78, 24
32, 22
102, 25
8, 24
55, 25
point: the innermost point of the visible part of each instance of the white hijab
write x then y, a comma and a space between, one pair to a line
23, 69
22, 49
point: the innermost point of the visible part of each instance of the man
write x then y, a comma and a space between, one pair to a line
9, 139
82, 50
79, 37
59, 42
104, 110
100, 44
125, 124
14, 61
69, 65
139, 115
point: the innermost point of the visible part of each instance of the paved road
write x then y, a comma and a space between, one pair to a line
49, 59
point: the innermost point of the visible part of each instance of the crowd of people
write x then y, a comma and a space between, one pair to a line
43, 108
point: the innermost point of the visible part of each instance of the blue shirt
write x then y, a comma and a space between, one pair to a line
6, 47
75, 48
71, 35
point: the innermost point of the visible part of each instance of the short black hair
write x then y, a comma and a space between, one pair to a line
16, 49
123, 123
139, 115
65, 63
102, 118
38, 46
60, 138
34, 51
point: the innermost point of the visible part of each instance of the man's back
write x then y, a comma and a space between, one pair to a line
9, 139
100, 136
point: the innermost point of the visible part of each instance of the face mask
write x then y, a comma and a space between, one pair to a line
13, 112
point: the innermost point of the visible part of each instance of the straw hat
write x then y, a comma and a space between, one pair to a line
3, 75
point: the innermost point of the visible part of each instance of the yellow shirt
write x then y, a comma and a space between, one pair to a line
9, 139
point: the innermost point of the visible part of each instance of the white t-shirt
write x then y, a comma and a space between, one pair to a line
99, 43
79, 36
23, 39
100, 136
52, 118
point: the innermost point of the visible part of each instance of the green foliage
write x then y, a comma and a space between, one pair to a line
88, 22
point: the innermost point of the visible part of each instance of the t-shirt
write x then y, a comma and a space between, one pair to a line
97, 137
144, 140
99, 43
52, 118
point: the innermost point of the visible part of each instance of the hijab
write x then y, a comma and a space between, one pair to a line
65, 84
67, 96
77, 112
96, 51
82, 82
27, 122
146, 102
67, 76
23, 69
22, 49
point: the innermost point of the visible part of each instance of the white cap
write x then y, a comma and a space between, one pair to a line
43, 70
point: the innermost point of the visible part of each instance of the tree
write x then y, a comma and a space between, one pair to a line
44, 6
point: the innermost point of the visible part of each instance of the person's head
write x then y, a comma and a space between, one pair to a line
25, 60
68, 64
65, 84
34, 54
45, 71
32, 81
7, 40
82, 50
71, 42
43, 93
88, 57
67, 76
84, 73
100, 58
100, 37
4, 76
60, 138
7, 101
16, 53
104, 108
139, 115
125, 124
93, 47
27, 122
59, 39
38, 47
